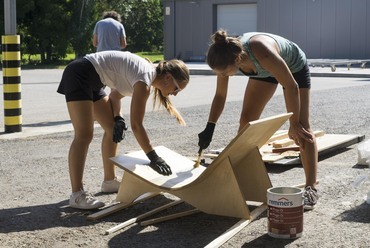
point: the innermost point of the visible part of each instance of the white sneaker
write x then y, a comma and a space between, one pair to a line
83, 200
111, 186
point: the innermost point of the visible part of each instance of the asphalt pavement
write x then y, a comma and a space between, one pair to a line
44, 111
35, 183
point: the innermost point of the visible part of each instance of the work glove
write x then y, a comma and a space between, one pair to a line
205, 137
119, 128
158, 164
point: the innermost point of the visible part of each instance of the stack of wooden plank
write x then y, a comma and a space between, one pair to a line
279, 149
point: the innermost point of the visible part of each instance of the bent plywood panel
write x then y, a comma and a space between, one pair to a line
217, 194
254, 134
235, 176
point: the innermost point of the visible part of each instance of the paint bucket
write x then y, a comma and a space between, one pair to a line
285, 212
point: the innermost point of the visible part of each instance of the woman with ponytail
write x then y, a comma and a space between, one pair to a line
268, 60
127, 75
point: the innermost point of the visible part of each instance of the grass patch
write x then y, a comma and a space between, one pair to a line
34, 61
155, 57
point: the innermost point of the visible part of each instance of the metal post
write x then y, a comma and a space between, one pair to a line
11, 70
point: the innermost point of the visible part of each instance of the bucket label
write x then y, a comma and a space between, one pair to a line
285, 212
281, 202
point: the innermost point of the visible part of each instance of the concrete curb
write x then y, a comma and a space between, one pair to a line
209, 72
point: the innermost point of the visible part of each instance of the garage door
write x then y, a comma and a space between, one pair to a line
237, 19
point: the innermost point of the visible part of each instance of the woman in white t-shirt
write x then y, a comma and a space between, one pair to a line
126, 74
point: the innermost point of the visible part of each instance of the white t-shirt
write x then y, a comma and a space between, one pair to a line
122, 70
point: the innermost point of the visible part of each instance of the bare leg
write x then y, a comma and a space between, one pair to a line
104, 115
254, 101
309, 154
81, 116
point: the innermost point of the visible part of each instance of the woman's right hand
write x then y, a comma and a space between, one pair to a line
118, 129
299, 134
205, 137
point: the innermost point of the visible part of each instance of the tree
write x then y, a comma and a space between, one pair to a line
83, 17
52, 28
143, 21
42, 25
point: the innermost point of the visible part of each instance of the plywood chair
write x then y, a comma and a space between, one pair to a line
223, 188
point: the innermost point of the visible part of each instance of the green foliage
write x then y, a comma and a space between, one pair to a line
155, 57
42, 26
33, 61
143, 22
51, 29
84, 14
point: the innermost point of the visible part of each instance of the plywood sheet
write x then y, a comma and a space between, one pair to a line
237, 175
182, 168
326, 143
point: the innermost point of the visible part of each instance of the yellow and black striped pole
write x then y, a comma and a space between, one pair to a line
12, 83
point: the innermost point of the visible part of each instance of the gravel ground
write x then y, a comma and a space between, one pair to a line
35, 185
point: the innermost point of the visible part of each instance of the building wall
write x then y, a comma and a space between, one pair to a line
334, 29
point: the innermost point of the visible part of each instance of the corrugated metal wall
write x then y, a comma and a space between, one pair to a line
334, 29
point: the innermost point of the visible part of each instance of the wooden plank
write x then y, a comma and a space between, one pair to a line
326, 144
333, 142
231, 232
142, 216
284, 149
120, 206
169, 217
288, 142
278, 135
282, 143
220, 240
210, 155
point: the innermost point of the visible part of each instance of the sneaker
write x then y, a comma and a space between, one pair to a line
83, 200
111, 186
310, 198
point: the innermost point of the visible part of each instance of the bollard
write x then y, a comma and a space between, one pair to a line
12, 83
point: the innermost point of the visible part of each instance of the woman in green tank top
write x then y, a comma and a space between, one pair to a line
268, 60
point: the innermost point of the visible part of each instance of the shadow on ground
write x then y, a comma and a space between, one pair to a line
360, 214
40, 217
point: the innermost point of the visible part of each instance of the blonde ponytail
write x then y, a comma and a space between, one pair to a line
166, 103
180, 72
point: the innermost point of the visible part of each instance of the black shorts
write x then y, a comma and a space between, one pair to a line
80, 82
302, 77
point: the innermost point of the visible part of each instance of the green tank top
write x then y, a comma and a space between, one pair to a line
293, 56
